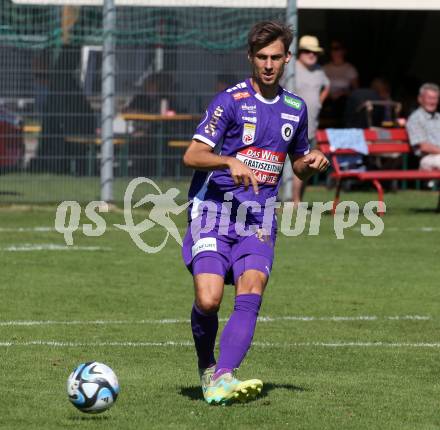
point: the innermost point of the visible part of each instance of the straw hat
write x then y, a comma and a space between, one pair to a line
310, 43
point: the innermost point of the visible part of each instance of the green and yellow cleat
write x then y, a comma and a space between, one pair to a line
205, 377
228, 389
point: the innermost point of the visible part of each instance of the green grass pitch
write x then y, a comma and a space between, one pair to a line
110, 302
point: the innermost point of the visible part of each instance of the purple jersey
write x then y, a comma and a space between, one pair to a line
241, 123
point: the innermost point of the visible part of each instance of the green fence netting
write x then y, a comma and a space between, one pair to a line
211, 28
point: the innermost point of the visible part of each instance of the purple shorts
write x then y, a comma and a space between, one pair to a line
228, 255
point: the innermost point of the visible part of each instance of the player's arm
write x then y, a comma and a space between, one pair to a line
324, 94
307, 165
200, 156
325, 89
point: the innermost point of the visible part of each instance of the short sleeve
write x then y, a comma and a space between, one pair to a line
216, 120
300, 143
416, 131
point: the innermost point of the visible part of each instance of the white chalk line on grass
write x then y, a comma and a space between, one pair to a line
262, 319
26, 247
41, 229
61, 344
47, 229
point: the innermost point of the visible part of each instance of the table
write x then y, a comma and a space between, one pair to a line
146, 117
92, 142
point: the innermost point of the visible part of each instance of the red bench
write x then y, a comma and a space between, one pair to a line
379, 142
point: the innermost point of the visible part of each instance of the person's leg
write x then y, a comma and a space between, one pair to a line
251, 274
208, 289
236, 340
430, 162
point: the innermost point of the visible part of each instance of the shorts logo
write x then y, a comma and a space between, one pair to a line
248, 133
242, 95
287, 132
204, 244
294, 118
252, 119
211, 127
292, 102
263, 236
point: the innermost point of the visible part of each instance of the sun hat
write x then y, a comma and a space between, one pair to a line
310, 43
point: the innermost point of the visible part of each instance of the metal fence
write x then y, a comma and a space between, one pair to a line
50, 112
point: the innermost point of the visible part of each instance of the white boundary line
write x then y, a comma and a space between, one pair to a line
60, 344
26, 247
47, 229
263, 319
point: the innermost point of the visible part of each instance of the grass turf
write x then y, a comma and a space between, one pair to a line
382, 378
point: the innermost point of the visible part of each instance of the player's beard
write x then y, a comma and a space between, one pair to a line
258, 75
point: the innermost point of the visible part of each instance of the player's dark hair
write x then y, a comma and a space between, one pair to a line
265, 32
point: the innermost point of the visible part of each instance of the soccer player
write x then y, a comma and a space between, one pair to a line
238, 152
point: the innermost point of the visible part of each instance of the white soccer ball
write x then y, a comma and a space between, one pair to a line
92, 387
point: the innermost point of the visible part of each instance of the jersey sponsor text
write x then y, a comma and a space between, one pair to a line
242, 95
211, 127
266, 164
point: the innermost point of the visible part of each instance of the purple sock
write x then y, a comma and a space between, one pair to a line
238, 333
204, 328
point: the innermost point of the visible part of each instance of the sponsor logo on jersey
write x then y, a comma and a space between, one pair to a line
211, 127
249, 108
294, 118
266, 164
292, 102
252, 119
241, 85
248, 133
287, 132
204, 244
242, 95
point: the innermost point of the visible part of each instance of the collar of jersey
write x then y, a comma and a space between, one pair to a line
259, 96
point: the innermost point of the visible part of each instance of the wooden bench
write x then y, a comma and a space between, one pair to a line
379, 142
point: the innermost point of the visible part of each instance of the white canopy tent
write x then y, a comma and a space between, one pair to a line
370, 4
301, 4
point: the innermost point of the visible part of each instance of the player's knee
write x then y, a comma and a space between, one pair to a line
208, 304
251, 282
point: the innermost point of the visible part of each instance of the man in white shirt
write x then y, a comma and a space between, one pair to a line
424, 127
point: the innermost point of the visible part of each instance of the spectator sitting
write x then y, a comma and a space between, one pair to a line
424, 127
65, 113
149, 101
343, 77
357, 114
147, 136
